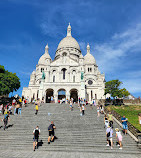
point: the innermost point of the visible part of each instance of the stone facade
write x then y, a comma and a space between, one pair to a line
70, 74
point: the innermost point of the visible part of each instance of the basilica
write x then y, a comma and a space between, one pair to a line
69, 75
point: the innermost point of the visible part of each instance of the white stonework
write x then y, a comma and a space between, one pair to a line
63, 74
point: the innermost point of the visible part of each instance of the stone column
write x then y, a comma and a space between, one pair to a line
41, 89
82, 92
67, 95
55, 96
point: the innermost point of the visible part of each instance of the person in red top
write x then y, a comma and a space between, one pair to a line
13, 102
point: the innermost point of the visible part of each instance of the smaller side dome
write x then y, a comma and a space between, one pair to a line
45, 56
89, 58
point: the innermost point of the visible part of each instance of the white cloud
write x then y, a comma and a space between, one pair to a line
112, 57
109, 54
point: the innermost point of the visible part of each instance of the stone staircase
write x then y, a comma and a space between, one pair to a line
75, 133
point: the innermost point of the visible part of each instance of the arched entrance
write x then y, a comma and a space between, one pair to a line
49, 93
74, 94
61, 94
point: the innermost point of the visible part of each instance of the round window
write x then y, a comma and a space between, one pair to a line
90, 82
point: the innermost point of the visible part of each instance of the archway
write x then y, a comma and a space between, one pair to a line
74, 94
49, 93
61, 94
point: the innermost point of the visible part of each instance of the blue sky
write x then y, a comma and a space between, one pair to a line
111, 27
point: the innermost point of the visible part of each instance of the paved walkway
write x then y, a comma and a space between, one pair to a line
78, 136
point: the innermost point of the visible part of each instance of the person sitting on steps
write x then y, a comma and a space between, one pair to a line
51, 132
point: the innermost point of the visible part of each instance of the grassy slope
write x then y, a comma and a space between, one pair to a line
130, 112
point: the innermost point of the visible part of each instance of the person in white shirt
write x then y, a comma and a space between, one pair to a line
83, 109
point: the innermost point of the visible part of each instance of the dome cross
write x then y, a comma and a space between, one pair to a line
69, 30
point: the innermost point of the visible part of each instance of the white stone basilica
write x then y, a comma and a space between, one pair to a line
68, 75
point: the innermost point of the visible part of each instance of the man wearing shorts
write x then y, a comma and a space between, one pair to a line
51, 132
124, 124
36, 133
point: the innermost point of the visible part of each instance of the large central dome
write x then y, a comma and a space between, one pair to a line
70, 42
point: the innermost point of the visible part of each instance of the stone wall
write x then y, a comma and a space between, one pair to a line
131, 101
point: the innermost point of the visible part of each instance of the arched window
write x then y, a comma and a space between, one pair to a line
73, 78
64, 54
64, 73
42, 69
88, 69
53, 78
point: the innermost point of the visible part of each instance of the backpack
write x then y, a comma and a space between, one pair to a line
36, 134
50, 128
108, 134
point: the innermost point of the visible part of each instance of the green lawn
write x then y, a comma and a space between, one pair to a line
130, 112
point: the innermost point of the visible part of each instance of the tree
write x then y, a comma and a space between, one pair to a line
112, 87
9, 81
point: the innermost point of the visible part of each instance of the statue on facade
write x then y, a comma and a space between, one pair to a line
43, 76
81, 75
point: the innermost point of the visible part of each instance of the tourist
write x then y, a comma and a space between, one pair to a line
110, 119
23, 104
17, 107
109, 135
81, 102
101, 109
6, 119
106, 122
124, 124
83, 109
20, 109
71, 108
36, 107
98, 111
72, 100
38, 102
94, 102
20, 101
51, 99
119, 137
36, 133
13, 102
51, 132
10, 109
